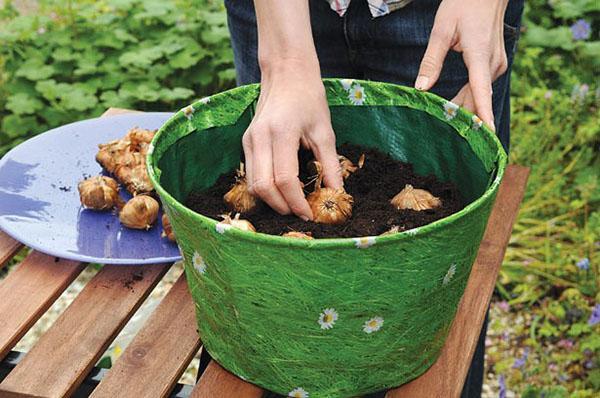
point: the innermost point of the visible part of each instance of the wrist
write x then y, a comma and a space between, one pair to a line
303, 65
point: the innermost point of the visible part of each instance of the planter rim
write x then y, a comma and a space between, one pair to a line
338, 243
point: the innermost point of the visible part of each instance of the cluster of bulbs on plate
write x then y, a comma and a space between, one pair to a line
125, 160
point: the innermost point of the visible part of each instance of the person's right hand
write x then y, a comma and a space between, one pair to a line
292, 110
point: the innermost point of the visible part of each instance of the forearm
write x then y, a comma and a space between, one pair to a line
285, 36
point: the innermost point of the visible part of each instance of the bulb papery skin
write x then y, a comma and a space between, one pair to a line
99, 193
140, 212
346, 166
239, 198
167, 228
415, 199
298, 235
330, 206
139, 138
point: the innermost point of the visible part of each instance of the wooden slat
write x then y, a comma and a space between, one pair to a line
57, 364
28, 291
447, 375
218, 382
8, 248
155, 359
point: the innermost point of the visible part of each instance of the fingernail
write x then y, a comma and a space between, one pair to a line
421, 82
304, 218
493, 126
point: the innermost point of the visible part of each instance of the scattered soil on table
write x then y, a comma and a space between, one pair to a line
372, 188
135, 277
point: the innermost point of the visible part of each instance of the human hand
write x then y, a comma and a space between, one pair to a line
475, 28
292, 111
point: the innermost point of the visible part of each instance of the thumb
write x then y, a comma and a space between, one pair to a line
433, 60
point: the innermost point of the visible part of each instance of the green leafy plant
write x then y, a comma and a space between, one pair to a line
72, 60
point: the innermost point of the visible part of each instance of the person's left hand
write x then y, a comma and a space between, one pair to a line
475, 28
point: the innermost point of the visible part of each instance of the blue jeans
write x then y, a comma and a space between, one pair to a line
387, 49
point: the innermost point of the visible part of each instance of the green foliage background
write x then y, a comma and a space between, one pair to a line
76, 58
73, 59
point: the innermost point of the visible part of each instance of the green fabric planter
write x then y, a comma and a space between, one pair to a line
329, 317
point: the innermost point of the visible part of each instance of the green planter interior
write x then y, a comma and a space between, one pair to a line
329, 317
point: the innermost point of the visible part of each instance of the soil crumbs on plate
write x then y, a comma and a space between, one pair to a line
372, 188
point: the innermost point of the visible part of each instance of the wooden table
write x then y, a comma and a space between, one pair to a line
155, 359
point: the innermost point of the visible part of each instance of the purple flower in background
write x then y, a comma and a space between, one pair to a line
553, 367
548, 94
579, 92
502, 384
581, 30
589, 364
520, 362
583, 264
566, 343
504, 306
595, 317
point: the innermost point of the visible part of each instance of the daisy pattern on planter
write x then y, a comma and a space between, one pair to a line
188, 111
357, 95
199, 264
347, 84
450, 110
364, 242
204, 100
222, 227
327, 318
373, 325
298, 392
449, 275
477, 122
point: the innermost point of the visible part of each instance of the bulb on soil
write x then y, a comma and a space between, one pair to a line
99, 193
361, 161
394, 230
415, 199
238, 197
167, 228
140, 212
329, 205
298, 235
238, 223
346, 166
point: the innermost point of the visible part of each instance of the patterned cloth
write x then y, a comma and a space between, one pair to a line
378, 7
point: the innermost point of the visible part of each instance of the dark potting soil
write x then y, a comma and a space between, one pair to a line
372, 187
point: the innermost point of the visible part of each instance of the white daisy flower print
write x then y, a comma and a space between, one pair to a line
298, 392
373, 325
477, 122
204, 100
449, 275
199, 264
188, 111
357, 95
347, 84
364, 242
222, 227
327, 318
450, 110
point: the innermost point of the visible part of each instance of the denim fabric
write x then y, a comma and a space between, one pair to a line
388, 49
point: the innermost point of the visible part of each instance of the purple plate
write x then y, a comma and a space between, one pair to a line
39, 201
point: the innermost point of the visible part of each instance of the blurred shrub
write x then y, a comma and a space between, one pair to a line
74, 59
